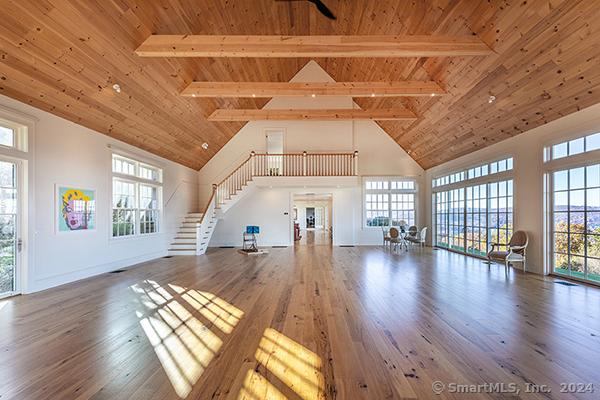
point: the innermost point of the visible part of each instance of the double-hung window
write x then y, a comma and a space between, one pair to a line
136, 197
390, 202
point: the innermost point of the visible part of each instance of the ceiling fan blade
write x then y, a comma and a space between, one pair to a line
323, 8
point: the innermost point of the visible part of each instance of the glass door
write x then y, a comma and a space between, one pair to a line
477, 220
9, 225
576, 222
456, 201
469, 219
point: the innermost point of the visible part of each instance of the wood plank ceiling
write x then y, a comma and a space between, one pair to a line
64, 56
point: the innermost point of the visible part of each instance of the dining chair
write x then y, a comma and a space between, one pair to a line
396, 238
386, 236
417, 239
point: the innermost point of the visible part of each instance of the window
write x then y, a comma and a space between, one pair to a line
122, 165
470, 218
388, 202
475, 172
573, 147
148, 208
500, 213
576, 222
456, 219
135, 198
7, 136
477, 219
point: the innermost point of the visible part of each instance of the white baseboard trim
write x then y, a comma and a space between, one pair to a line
57, 280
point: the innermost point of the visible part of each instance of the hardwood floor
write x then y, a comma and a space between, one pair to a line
300, 323
314, 237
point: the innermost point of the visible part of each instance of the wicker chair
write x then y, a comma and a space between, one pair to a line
517, 247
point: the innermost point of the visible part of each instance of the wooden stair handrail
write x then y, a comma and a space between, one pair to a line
235, 170
212, 196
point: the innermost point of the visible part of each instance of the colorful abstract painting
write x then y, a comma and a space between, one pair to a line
76, 209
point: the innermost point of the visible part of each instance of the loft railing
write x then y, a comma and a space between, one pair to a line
305, 164
288, 164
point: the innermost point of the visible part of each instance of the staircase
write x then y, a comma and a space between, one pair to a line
196, 229
185, 241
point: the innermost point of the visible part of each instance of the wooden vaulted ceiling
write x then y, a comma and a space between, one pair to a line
64, 56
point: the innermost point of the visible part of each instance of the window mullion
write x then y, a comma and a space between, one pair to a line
569, 217
390, 204
137, 230
585, 231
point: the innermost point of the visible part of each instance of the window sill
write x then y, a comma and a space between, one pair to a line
134, 237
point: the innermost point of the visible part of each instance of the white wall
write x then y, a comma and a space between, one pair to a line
63, 152
267, 208
379, 155
527, 150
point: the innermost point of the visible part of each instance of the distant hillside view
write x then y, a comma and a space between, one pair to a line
578, 216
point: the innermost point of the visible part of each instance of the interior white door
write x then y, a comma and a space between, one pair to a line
319, 215
275, 147
10, 244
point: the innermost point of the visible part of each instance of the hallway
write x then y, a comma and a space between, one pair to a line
314, 237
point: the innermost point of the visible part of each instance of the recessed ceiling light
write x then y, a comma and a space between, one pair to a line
117, 88
491, 99
205, 146
432, 94
193, 94
253, 95
372, 94
313, 95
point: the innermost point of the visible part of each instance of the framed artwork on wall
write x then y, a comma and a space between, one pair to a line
75, 209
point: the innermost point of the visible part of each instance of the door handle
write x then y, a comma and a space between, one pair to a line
19, 245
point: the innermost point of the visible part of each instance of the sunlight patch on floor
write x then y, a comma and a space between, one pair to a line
293, 364
216, 310
256, 387
183, 344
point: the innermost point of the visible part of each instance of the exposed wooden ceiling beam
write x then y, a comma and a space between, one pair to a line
311, 46
382, 114
273, 89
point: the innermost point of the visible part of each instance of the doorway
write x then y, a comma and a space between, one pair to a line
312, 219
274, 151
10, 244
